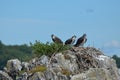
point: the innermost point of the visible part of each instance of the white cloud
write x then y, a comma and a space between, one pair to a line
113, 43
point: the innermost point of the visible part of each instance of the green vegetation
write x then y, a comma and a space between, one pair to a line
48, 48
115, 57
22, 52
25, 52
38, 69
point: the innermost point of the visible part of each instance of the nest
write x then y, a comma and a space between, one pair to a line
86, 59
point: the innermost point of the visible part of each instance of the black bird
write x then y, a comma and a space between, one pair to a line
81, 41
56, 39
70, 40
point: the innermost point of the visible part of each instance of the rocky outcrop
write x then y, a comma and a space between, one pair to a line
4, 76
77, 63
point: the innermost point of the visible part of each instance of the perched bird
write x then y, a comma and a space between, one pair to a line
56, 39
70, 40
81, 41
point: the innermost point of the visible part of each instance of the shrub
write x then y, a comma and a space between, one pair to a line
47, 49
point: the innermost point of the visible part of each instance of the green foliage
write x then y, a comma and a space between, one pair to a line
48, 48
40, 68
25, 52
1, 45
115, 57
22, 52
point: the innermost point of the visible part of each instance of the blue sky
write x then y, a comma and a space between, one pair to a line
24, 21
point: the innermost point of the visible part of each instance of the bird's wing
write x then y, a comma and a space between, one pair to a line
85, 40
68, 41
79, 41
59, 40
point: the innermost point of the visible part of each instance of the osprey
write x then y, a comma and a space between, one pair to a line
81, 41
70, 40
56, 39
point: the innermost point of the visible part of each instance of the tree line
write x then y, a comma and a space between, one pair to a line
22, 52
117, 59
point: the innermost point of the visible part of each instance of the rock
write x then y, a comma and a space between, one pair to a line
62, 76
4, 76
50, 75
119, 71
78, 63
25, 66
47, 75
24, 76
67, 61
95, 74
13, 67
37, 76
44, 60
109, 64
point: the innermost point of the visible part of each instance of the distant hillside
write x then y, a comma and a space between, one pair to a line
22, 52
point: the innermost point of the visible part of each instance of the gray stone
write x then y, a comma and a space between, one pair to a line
119, 71
78, 63
25, 66
96, 74
24, 76
65, 63
14, 65
44, 59
4, 76
50, 75
37, 76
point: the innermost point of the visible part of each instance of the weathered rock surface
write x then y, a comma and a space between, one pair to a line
4, 76
95, 74
77, 63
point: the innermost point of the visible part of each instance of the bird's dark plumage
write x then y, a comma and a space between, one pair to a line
70, 40
56, 39
81, 41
